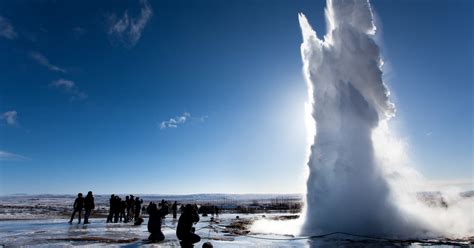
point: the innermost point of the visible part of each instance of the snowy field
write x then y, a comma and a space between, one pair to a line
57, 232
223, 232
26, 207
41, 221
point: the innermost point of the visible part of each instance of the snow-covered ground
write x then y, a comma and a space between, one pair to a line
42, 221
58, 233
25, 207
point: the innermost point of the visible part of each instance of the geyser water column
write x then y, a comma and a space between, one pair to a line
346, 189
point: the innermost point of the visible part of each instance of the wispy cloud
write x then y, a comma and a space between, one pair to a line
128, 30
174, 122
6, 29
70, 88
10, 117
179, 120
78, 32
42, 60
8, 156
64, 84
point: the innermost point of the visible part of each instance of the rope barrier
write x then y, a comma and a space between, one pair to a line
326, 235
347, 234
433, 242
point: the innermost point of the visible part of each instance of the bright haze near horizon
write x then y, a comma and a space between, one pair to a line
178, 97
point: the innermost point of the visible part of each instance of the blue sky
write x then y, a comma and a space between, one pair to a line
207, 96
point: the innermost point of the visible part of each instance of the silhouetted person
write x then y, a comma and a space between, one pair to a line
123, 207
207, 245
185, 230
174, 208
111, 208
147, 209
117, 202
127, 211
130, 207
138, 207
203, 210
154, 222
164, 207
88, 206
78, 206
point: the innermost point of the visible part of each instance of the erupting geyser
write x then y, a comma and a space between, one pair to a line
360, 180
346, 188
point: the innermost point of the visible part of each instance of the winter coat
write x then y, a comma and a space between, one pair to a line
79, 203
185, 223
89, 202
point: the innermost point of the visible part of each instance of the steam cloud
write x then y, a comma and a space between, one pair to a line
356, 165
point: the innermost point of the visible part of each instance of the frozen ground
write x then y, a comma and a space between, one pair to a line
41, 221
221, 233
57, 232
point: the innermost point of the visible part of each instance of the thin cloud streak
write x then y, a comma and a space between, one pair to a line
6, 29
8, 156
69, 87
42, 60
128, 30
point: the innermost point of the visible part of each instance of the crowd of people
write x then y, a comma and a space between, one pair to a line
124, 210
130, 209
